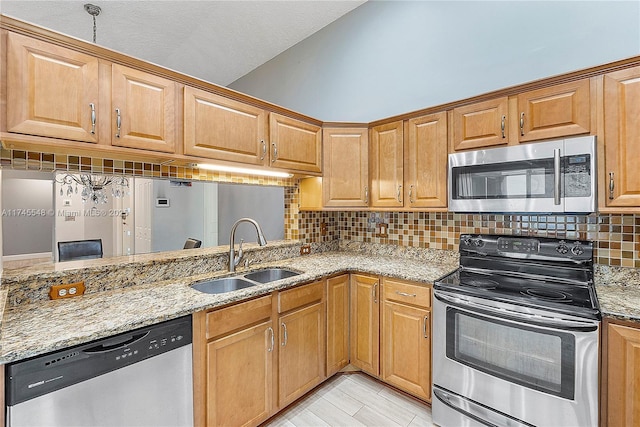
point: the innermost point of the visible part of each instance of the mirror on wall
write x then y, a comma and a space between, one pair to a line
153, 215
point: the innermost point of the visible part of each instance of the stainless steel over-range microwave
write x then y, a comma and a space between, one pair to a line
544, 177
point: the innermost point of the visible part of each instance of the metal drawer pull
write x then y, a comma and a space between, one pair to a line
270, 330
404, 294
522, 124
374, 290
424, 326
93, 118
611, 186
118, 122
284, 333
264, 149
502, 124
275, 152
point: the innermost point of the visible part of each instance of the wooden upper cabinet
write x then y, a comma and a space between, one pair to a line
386, 157
346, 159
220, 128
295, 145
556, 111
622, 137
483, 124
426, 161
143, 110
51, 91
623, 376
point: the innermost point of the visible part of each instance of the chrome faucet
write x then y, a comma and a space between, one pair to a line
233, 258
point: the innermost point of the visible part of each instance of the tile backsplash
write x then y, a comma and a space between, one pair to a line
617, 235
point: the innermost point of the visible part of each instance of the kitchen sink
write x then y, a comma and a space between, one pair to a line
270, 275
222, 285
234, 283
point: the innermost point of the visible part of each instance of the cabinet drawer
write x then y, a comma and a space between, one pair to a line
232, 318
297, 297
419, 295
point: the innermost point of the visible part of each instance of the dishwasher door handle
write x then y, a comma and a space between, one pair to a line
106, 347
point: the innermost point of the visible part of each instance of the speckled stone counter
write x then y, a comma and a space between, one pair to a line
29, 329
618, 290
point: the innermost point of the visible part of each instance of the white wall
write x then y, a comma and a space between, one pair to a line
391, 57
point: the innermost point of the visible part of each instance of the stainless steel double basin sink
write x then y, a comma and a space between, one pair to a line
229, 284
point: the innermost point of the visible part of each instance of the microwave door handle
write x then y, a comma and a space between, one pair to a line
557, 189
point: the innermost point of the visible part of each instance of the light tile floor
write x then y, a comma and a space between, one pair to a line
354, 399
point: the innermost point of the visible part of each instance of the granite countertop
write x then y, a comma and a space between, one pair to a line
32, 329
618, 291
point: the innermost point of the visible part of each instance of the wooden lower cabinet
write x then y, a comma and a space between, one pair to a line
301, 360
406, 338
622, 364
364, 325
337, 323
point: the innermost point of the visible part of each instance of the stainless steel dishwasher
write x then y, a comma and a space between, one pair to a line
139, 378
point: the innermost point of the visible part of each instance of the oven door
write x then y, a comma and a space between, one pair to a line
518, 362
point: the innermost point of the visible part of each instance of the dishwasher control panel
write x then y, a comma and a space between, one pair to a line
37, 376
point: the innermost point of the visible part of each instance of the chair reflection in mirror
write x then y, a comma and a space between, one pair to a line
192, 243
80, 249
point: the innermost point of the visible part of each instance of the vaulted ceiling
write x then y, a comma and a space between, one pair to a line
217, 41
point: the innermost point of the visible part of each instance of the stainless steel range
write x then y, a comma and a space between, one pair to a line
515, 339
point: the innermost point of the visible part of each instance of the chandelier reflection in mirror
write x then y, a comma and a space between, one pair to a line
94, 188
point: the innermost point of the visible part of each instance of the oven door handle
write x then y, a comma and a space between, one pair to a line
476, 412
562, 324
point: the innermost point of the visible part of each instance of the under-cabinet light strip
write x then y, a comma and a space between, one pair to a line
246, 171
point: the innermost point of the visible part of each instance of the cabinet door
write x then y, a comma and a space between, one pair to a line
219, 128
239, 377
386, 165
295, 145
143, 110
346, 160
406, 344
623, 376
426, 162
337, 323
365, 323
301, 361
483, 124
51, 91
622, 137
554, 112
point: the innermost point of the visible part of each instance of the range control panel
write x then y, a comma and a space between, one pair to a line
526, 247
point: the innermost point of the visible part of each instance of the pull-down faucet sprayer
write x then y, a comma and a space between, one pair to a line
233, 258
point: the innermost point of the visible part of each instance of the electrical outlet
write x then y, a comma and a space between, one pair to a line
305, 249
384, 230
66, 290
323, 229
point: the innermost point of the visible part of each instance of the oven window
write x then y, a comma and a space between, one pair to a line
537, 358
509, 180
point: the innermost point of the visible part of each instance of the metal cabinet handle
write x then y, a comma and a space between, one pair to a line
556, 177
502, 125
272, 339
522, 124
612, 186
425, 321
118, 122
275, 152
399, 193
284, 334
93, 118
366, 194
411, 200
404, 294
264, 149
374, 290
